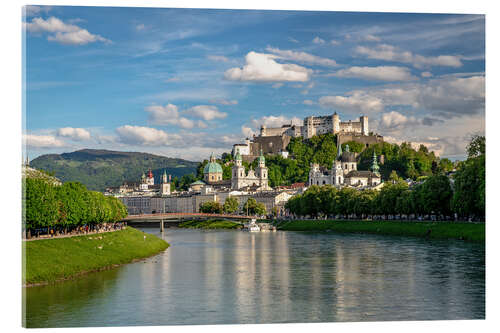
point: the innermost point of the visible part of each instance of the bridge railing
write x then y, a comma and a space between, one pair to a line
142, 216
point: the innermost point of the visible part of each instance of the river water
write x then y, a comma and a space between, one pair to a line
230, 277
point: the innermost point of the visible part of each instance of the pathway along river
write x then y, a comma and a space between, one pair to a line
222, 277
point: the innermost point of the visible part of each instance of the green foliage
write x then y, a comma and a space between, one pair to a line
183, 183
440, 230
254, 208
356, 147
469, 197
406, 161
210, 224
60, 258
67, 206
231, 205
476, 146
98, 169
211, 207
41, 205
395, 198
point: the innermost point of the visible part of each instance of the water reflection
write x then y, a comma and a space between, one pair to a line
213, 277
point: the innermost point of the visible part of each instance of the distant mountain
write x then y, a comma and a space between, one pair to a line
98, 169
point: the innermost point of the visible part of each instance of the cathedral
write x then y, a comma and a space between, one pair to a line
258, 178
345, 172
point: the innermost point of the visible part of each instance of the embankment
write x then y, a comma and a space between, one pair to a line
436, 230
210, 224
51, 260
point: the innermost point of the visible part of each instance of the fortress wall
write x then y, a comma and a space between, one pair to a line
269, 144
366, 140
274, 131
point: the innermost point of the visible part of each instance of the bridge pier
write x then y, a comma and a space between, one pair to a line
161, 225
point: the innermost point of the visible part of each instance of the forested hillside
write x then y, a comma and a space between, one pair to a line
98, 169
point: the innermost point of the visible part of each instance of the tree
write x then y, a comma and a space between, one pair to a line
211, 207
41, 205
476, 146
254, 208
436, 195
231, 205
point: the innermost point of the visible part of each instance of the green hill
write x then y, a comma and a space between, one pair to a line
98, 169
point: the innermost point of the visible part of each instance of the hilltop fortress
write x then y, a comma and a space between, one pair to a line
274, 140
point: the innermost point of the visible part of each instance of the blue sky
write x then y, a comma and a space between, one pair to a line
184, 83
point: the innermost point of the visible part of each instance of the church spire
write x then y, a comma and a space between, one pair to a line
339, 148
375, 167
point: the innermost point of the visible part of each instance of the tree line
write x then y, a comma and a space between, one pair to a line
462, 196
231, 206
67, 207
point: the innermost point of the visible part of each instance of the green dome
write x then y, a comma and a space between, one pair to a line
237, 157
212, 167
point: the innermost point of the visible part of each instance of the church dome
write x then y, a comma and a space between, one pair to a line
212, 166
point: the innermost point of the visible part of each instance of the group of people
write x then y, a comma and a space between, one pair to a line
79, 230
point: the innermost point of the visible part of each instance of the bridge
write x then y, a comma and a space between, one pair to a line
176, 218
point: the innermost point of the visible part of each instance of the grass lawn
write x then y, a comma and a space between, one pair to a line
50, 260
439, 230
210, 224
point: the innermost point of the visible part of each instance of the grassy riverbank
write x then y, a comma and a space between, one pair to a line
51, 260
438, 230
210, 224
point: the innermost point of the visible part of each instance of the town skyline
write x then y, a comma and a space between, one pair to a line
185, 82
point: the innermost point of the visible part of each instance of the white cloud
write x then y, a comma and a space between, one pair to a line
140, 27
78, 134
206, 112
447, 97
356, 102
277, 85
318, 40
247, 131
302, 57
335, 42
371, 38
201, 124
261, 67
42, 141
391, 53
379, 73
293, 40
62, 32
35, 10
138, 135
218, 58
168, 115
308, 102
223, 101
275, 121
426, 74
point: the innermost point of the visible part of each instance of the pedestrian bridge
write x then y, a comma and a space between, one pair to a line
162, 219
178, 217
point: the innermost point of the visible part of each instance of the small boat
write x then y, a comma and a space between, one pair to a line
252, 226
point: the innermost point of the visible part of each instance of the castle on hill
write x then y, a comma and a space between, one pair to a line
274, 140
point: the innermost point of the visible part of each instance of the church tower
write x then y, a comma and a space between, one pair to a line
238, 172
165, 185
337, 172
261, 171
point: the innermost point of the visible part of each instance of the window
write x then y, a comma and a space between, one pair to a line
323, 182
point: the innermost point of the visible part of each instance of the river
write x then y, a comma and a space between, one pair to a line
230, 277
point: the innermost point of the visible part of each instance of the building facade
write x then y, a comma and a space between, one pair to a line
258, 178
344, 172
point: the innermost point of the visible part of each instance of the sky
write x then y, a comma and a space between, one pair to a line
188, 82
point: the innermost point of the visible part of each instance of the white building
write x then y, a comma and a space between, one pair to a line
258, 178
345, 172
